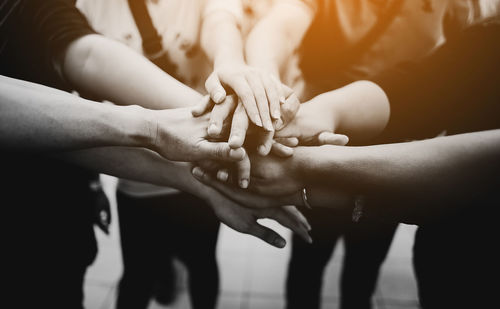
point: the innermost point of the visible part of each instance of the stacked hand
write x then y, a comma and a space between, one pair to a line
233, 118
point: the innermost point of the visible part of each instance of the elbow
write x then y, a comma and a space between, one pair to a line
81, 60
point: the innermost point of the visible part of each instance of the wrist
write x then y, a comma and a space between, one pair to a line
228, 58
147, 130
131, 124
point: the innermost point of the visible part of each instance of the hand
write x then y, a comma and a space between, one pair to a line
178, 136
230, 107
244, 219
259, 92
245, 197
322, 196
270, 175
315, 124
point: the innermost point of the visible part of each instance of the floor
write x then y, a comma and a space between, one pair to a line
245, 264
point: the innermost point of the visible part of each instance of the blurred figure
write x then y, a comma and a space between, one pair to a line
339, 42
155, 224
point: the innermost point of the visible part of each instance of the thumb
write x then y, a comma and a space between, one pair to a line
220, 151
214, 88
202, 107
330, 138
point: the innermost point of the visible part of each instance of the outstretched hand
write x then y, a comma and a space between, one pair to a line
231, 112
178, 136
244, 220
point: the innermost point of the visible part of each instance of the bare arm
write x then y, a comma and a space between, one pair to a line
147, 166
406, 181
441, 170
359, 110
277, 35
114, 72
222, 41
38, 118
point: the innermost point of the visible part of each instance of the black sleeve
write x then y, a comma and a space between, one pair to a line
53, 25
456, 88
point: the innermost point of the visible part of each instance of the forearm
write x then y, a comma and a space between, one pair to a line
445, 169
38, 118
359, 110
277, 35
221, 39
137, 164
116, 73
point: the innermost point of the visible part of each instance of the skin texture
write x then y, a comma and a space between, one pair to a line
94, 64
147, 166
418, 175
261, 94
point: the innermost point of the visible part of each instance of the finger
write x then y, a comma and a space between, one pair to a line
282, 217
267, 235
271, 85
329, 138
219, 114
295, 213
259, 92
243, 168
220, 151
281, 150
284, 92
214, 88
202, 107
223, 175
266, 143
287, 141
239, 127
208, 180
245, 94
209, 166
288, 110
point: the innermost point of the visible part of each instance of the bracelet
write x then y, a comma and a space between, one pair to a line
359, 204
304, 198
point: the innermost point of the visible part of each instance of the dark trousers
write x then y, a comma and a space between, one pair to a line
153, 230
366, 246
456, 260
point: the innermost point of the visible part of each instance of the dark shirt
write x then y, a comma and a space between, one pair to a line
34, 34
47, 204
326, 53
456, 89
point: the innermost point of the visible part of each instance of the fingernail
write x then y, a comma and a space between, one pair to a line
269, 127
282, 100
218, 97
279, 242
244, 183
310, 240
198, 172
236, 153
213, 129
257, 120
222, 175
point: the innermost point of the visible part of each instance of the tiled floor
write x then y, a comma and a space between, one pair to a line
245, 265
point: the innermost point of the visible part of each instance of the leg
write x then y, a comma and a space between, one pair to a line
308, 261
196, 248
366, 246
455, 260
140, 251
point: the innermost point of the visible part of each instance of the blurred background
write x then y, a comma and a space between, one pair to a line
252, 273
